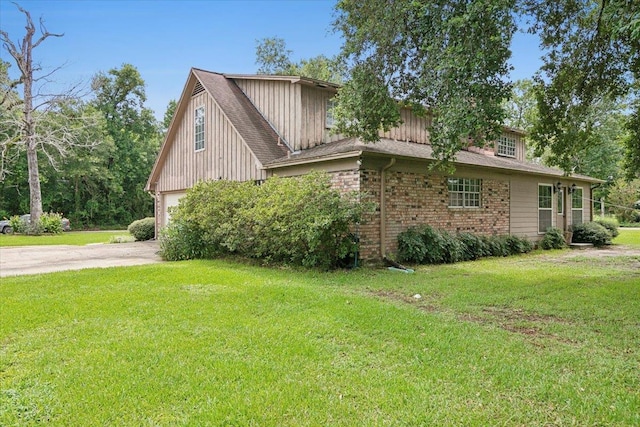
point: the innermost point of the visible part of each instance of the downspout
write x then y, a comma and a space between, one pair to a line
156, 200
383, 214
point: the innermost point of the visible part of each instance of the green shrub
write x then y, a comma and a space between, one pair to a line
299, 221
610, 224
518, 245
473, 247
143, 229
51, 223
411, 247
302, 221
498, 246
434, 244
453, 249
180, 241
591, 232
18, 225
553, 239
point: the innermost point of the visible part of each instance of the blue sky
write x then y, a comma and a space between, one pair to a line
163, 39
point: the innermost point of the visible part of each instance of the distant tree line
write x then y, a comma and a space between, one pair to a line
99, 181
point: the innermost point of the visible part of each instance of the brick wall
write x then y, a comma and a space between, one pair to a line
416, 199
345, 181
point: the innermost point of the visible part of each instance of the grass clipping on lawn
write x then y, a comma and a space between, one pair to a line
541, 339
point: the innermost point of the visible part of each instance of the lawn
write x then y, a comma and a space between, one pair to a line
78, 238
544, 339
628, 236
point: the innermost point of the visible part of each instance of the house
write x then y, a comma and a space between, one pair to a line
251, 127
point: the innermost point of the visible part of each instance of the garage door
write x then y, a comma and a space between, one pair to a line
170, 199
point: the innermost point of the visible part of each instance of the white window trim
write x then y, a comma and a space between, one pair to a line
550, 209
463, 192
505, 145
581, 209
560, 201
195, 129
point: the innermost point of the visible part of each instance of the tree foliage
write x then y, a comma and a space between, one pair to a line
273, 57
591, 59
447, 56
120, 97
36, 133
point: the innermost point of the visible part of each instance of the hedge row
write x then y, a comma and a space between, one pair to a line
426, 245
297, 221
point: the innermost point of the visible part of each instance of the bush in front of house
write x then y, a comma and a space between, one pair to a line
294, 221
610, 224
427, 245
591, 232
553, 239
411, 246
179, 241
142, 229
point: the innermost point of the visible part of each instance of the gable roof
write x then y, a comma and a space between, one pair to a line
259, 136
256, 131
353, 147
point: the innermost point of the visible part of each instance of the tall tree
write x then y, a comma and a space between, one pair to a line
36, 107
592, 57
120, 96
273, 57
23, 56
447, 58
168, 115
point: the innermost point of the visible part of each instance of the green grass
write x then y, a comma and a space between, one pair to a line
541, 339
629, 237
78, 238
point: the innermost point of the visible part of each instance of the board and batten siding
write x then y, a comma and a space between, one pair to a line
412, 129
314, 118
225, 154
279, 102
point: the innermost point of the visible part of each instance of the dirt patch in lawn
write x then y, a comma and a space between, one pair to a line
619, 256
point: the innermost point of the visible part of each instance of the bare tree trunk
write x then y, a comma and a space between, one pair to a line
29, 133
24, 59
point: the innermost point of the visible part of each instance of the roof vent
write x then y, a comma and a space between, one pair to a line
197, 89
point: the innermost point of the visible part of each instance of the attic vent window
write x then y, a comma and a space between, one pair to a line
507, 146
197, 89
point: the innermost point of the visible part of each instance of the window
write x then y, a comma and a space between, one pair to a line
329, 114
576, 206
507, 146
199, 129
544, 207
464, 193
560, 201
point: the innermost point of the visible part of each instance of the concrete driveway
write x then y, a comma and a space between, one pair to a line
46, 259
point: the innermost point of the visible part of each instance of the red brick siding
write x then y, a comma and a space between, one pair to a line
345, 181
415, 199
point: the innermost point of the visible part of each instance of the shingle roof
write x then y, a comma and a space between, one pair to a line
250, 124
417, 151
